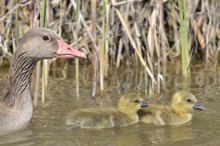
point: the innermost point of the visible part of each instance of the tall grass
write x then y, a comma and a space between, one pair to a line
184, 31
16, 27
134, 45
77, 46
45, 62
103, 43
126, 33
94, 51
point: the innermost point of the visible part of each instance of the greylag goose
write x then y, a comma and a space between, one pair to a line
36, 44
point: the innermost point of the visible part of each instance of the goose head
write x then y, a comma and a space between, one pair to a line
42, 43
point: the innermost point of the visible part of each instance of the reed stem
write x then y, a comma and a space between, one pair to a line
94, 51
16, 27
184, 37
102, 48
106, 40
45, 63
38, 68
77, 46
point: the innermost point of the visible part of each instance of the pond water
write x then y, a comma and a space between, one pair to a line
48, 126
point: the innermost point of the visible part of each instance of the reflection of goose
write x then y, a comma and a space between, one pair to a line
36, 44
22, 137
124, 115
178, 112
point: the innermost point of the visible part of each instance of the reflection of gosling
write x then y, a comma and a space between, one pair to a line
178, 112
124, 115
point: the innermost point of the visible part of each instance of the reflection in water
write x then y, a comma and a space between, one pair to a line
48, 124
182, 132
23, 137
166, 134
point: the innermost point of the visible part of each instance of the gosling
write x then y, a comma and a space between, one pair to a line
178, 112
97, 118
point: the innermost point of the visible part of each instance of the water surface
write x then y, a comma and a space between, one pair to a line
48, 124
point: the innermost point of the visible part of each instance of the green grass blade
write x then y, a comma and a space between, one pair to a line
184, 37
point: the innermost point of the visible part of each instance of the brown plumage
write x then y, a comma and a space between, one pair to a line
95, 118
38, 43
178, 112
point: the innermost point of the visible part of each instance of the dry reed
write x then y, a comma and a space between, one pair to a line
122, 33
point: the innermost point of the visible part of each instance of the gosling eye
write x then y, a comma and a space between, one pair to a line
45, 37
136, 101
189, 100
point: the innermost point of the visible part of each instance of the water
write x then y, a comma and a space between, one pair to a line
48, 125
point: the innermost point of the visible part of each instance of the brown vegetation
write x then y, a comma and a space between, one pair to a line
120, 32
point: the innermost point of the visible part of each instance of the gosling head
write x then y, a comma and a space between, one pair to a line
131, 103
185, 102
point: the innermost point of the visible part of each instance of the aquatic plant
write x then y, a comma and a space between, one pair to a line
114, 33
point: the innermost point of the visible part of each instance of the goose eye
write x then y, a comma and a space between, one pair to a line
137, 101
189, 100
45, 38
